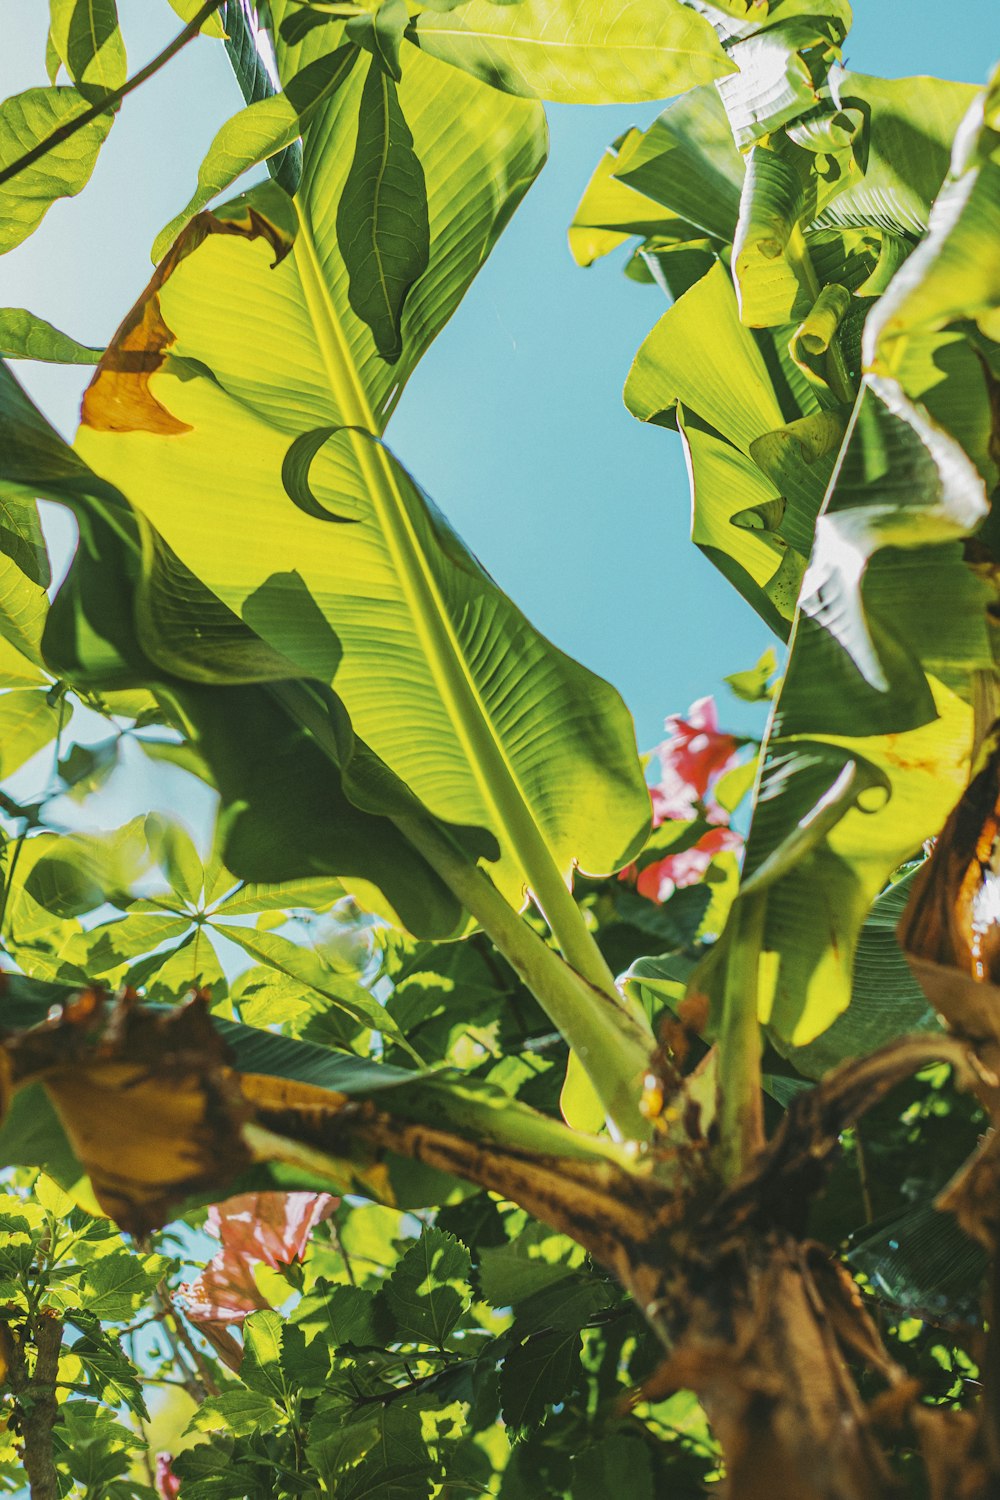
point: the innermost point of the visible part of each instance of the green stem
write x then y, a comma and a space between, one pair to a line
486, 754
741, 1117
612, 1045
837, 377
612, 1042
110, 100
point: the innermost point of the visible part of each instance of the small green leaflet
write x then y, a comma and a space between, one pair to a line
23, 335
382, 221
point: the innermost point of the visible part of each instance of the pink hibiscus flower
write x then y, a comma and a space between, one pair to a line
168, 1486
659, 881
272, 1229
692, 760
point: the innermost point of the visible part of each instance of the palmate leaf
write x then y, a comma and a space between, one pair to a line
573, 54
487, 724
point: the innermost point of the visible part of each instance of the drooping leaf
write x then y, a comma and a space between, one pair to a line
910, 125
955, 272
554, 49
609, 212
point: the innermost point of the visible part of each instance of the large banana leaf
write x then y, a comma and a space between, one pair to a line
870, 738
290, 809
577, 54
904, 150
249, 372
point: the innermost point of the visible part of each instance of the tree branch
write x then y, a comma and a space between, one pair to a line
110, 100
37, 1407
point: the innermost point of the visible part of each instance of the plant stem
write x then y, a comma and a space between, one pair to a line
741, 1116
612, 1045
484, 750
64, 132
36, 1401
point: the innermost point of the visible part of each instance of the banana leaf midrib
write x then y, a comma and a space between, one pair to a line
495, 777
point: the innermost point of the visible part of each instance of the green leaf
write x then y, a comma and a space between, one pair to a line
77, 872
23, 335
481, 744
117, 1285
243, 1413
25, 121
95, 1449
955, 272
287, 796
87, 39
609, 212
254, 134
305, 966
382, 223
615, 1464
261, 1367
111, 1375
28, 722
557, 50
172, 847
881, 661
780, 73
532, 1263
886, 1001
344, 1315
568, 1304
260, 132
537, 1375
754, 685
910, 126
687, 162
429, 1290
381, 34
188, 9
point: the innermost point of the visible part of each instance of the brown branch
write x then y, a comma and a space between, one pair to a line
35, 1394
110, 100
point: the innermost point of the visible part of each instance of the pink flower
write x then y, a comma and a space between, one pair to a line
659, 881
167, 1483
692, 759
272, 1229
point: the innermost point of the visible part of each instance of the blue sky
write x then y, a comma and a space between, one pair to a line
514, 421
